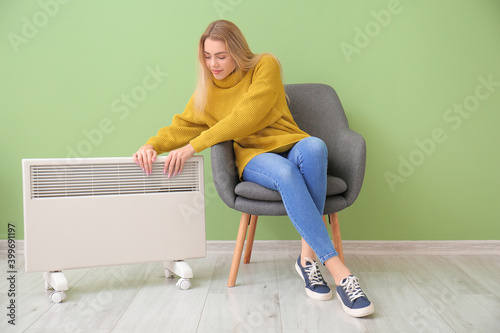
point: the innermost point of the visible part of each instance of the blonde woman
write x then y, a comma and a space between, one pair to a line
240, 96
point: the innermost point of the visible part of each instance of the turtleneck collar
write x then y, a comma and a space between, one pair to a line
231, 80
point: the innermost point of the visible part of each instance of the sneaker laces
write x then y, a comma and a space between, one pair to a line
351, 286
313, 273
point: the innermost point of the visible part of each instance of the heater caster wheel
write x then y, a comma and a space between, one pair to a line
169, 274
48, 286
57, 296
183, 284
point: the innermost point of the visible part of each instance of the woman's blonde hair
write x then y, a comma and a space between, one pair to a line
237, 47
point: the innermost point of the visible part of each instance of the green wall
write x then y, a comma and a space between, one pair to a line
420, 80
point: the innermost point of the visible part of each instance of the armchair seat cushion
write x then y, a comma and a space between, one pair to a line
255, 191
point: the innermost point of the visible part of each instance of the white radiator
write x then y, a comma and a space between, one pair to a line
105, 211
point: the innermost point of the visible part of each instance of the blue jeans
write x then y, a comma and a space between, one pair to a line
300, 176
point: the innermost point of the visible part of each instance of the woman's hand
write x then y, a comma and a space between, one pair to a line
145, 157
176, 159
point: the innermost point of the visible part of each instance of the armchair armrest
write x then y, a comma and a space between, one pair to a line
347, 160
224, 171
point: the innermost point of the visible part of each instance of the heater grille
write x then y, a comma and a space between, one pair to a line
73, 180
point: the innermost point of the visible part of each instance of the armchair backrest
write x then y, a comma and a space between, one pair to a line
317, 110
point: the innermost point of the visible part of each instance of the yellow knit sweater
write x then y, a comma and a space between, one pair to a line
247, 107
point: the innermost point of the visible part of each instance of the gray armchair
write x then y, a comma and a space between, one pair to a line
317, 110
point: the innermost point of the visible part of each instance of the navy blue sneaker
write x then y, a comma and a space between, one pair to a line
316, 287
354, 300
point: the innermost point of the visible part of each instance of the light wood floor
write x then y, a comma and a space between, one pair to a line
410, 294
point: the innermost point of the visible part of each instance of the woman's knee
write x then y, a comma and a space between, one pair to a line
270, 168
287, 172
315, 146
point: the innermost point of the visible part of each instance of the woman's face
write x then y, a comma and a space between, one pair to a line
218, 59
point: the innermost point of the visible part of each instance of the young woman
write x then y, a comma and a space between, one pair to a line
240, 97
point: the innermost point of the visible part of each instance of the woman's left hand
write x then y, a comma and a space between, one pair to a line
176, 159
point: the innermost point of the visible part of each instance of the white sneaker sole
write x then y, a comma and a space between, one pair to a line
357, 312
311, 294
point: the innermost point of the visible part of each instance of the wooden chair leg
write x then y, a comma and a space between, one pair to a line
337, 240
238, 249
250, 238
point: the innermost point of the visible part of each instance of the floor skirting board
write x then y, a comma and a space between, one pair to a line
462, 247
458, 247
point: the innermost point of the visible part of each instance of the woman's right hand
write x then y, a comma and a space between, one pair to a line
145, 157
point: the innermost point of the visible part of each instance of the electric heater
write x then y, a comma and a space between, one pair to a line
90, 212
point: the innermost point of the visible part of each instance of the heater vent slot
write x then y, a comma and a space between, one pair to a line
76, 180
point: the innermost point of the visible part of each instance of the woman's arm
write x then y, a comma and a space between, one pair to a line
184, 128
145, 157
174, 163
174, 138
176, 159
